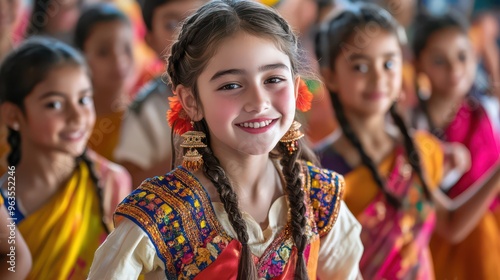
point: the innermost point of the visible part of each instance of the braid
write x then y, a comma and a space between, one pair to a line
291, 171
411, 151
213, 171
95, 179
14, 140
367, 161
179, 48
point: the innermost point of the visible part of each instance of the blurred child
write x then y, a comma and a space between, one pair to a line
9, 13
256, 209
144, 146
104, 35
457, 113
65, 196
392, 176
54, 18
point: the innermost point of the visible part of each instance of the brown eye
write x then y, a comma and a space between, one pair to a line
363, 68
273, 80
229, 87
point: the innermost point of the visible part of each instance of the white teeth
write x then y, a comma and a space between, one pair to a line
256, 124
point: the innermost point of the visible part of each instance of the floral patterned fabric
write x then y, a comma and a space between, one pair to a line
176, 213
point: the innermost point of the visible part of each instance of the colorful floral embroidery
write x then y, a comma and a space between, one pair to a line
176, 220
176, 213
325, 194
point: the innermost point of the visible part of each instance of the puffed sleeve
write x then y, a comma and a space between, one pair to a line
125, 254
341, 249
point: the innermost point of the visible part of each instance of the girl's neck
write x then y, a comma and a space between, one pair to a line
106, 102
250, 176
41, 170
442, 108
373, 135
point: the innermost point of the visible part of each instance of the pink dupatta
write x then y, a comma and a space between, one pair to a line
396, 240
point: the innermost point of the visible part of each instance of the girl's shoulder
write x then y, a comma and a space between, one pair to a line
322, 175
114, 179
174, 186
104, 167
324, 190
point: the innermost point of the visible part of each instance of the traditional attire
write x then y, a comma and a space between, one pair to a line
476, 125
169, 229
65, 232
395, 240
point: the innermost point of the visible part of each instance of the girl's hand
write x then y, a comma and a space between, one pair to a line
457, 161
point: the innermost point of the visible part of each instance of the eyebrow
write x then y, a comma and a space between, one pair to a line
362, 56
60, 94
241, 71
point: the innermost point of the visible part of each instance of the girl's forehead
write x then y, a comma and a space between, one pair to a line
64, 79
361, 44
247, 50
446, 36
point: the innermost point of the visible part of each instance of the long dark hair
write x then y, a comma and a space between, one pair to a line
330, 40
197, 42
21, 71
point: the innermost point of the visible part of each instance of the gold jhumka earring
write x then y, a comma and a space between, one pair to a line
291, 137
193, 160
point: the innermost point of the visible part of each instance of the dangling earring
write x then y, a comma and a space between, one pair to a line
291, 137
192, 159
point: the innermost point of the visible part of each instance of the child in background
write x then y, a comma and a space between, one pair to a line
54, 18
457, 113
256, 209
65, 195
144, 147
9, 15
104, 35
392, 176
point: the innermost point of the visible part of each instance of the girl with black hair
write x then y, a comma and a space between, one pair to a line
64, 194
104, 35
459, 113
392, 173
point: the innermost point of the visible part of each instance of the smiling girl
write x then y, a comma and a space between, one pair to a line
246, 203
65, 195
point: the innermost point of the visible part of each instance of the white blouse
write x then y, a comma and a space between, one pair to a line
128, 251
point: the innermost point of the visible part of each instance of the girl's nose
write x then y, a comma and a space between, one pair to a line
257, 99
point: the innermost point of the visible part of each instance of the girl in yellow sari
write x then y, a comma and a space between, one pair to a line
64, 195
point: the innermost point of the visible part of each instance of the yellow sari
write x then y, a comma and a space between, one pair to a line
64, 234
